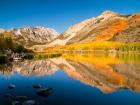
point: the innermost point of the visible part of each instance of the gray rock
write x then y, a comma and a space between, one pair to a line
44, 92
11, 86
37, 86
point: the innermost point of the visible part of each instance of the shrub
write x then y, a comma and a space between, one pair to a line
28, 56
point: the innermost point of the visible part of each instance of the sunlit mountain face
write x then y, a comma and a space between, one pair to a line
72, 76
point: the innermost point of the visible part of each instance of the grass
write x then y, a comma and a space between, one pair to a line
130, 47
97, 45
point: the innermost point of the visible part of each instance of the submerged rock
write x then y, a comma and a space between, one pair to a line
37, 86
29, 102
16, 103
8, 95
44, 92
11, 86
20, 98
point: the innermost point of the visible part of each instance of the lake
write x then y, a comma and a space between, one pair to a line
73, 79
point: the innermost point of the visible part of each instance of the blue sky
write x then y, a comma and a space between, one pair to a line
58, 14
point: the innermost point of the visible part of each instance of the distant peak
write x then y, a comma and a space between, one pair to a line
1, 30
109, 12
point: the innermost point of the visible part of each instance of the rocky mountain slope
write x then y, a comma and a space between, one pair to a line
29, 36
71, 32
98, 29
89, 29
34, 35
132, 32
109, 26
72, 35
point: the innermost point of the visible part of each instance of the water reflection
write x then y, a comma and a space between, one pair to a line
106, 72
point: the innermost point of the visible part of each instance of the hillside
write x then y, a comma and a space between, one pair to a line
34, 35
102, 29
132, 32
109, 26
29, 36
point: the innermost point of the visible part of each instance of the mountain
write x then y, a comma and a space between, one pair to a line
89, 29
96, 29
29, 36
34, 35
109, 26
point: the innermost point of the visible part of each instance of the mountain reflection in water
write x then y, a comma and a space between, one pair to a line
107, 73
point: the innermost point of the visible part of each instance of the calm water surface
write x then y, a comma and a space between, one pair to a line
75, 80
